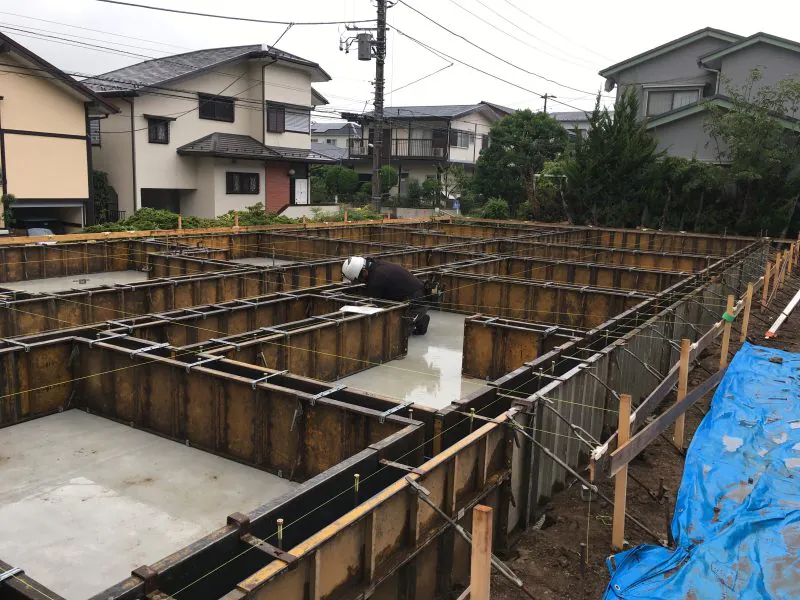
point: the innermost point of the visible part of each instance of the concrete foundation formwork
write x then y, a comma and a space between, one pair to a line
561, 320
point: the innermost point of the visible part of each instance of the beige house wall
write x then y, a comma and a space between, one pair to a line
478, 125
113, 155
46, 167
38, 104
226, 202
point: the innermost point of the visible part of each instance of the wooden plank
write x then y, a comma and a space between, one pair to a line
683, 384
726, 334
627, 452
765, 289
481, 558
621, 481
748, 302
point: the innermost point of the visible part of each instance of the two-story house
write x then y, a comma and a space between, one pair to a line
208, 131
45, 158
676, 82
420, 140
334, 134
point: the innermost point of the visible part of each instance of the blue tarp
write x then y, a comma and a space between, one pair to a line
737, 514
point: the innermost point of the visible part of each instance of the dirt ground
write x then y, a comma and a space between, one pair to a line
548, 560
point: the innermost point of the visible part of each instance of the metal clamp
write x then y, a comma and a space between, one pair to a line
394, 409
149, 348
202, 362
10, 573
313, 399
224, 342
274, 330
120, 324
16, 343
110, 336
267, 377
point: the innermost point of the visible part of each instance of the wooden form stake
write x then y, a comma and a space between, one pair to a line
726, 336
765, 289
180, 222
785, 259
683, 387
748, 303
777, 273
481, 563
790, 264
621, 478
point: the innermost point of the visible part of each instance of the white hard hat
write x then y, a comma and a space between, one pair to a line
351, 268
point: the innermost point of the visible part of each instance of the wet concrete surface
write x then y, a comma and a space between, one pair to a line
75, 282
85, 500
263, 261
430, 373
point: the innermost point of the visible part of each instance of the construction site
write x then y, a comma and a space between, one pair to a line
215, 415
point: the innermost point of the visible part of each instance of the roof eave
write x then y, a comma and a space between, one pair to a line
758, 38
608, 72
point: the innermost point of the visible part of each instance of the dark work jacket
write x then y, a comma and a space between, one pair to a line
389, 281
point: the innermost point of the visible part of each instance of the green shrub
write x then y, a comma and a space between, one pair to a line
496, 208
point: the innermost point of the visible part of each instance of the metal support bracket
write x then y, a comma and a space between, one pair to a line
267, 377
127, 326
149, 348
10, 573
394, 409
313, 399
111, 336
274, 330
16, 343
225, 343
390, 463
202, 362
242, 524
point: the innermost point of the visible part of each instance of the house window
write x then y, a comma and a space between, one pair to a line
158, 131
216, 108
297, 120
484, 141
659, 102
315, 140
276, 120
331, 141
94, 131
459, 139
241, 183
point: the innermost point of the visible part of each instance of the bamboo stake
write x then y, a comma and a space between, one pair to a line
683, 387
480, 578
765, 289
621, 478
726, 335
748, 303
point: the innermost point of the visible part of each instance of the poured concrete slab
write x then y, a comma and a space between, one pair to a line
85, 500
75, 282
263, 261
430, 373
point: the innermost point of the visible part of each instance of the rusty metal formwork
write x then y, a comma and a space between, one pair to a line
598, 322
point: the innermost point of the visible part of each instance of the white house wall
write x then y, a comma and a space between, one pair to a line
113, 155
287, 86
477, 124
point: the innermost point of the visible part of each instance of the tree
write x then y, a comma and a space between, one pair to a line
7, 215
431, 190
105, 197
496, 208
340, 182
388, 177
613, 172
414, 193
454, 180
761, 151
520, 145
551, 202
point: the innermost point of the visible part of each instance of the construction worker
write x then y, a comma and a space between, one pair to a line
389, 281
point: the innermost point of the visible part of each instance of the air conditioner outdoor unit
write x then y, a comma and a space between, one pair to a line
438, 152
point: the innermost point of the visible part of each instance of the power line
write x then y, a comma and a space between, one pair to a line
93, 30
485, 51
479, 70
546, 26
232, 18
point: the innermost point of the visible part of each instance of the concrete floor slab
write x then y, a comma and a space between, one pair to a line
430, 373
263, 261
85, 500
75, 282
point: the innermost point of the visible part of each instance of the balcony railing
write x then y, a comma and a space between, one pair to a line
401, 148
107, 215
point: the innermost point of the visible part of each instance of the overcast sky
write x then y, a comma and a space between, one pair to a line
567, 43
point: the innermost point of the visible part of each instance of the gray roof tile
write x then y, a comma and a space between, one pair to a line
162, 70
232, 145
331, 151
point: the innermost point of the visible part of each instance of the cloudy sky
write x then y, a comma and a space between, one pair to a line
555, 48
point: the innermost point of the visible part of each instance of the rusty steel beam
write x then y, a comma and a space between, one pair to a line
494, 347
16, 585
571, 306
579, 273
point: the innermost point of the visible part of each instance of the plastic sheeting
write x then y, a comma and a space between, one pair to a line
737, 514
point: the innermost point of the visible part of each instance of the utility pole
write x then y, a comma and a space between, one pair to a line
368, 48
546, 96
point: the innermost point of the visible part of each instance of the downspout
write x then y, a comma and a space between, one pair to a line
264, 109
717, 72
133, 157
2, 153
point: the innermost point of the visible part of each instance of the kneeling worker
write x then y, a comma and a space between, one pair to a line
389, 281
